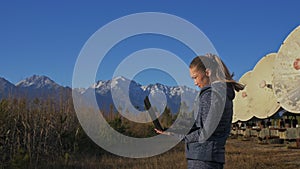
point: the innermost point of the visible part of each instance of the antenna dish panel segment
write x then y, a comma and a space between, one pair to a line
286, 78
241, 106
263, 102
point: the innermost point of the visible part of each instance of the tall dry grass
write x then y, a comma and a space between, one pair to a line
39, 134
32, 132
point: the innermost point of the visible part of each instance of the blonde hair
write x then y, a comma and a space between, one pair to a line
219, 71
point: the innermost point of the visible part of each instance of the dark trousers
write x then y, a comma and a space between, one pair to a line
197, 164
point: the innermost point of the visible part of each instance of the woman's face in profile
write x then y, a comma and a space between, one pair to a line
201, 79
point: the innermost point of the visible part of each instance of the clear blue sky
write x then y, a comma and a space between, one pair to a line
45, 37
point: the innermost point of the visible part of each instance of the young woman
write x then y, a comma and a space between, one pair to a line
205, 147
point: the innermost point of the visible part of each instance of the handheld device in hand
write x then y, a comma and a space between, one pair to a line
152, 114
157, 123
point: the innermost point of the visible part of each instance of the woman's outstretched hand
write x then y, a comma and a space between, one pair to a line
162, 132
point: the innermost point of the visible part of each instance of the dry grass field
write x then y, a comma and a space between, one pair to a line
252, 155
45, 138
239, 155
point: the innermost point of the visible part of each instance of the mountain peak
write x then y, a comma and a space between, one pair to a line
37, 81
2, 80
5, 83
120, 78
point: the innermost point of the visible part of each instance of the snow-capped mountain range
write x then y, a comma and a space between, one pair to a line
119, 91
38, 82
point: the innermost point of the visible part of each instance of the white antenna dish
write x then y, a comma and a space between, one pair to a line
234, 119
262, 100
286, 78
241, 107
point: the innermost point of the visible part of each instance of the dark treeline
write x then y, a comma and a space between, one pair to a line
39, 134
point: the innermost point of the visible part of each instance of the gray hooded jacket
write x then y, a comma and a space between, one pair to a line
213, 119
